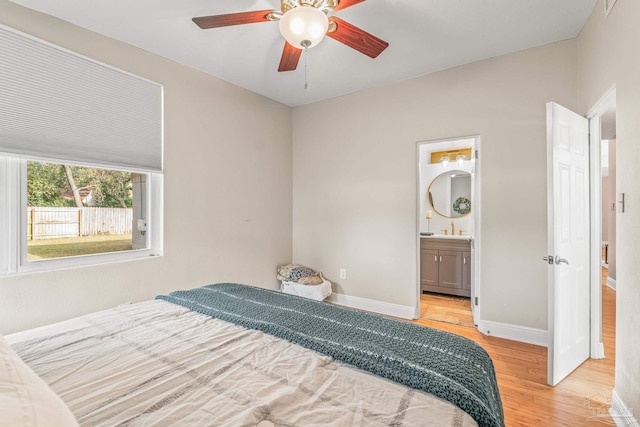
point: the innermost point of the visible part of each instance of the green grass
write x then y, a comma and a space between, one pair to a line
75, 246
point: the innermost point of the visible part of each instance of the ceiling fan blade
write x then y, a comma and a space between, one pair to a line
229, 19
356, 38
290, 58
343, 4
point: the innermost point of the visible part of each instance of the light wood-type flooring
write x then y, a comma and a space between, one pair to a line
446, 308
582, 399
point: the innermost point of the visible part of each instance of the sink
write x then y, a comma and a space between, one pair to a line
448, 236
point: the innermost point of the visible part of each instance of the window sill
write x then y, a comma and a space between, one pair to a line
81, 261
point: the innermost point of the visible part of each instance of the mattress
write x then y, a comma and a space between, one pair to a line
159, 364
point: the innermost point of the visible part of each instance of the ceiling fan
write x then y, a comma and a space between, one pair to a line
303, 24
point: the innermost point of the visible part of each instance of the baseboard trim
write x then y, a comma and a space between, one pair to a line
611, 283
395, 310
514, 332
599, 351
621, 415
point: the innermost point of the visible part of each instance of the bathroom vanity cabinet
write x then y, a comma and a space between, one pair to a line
445, 266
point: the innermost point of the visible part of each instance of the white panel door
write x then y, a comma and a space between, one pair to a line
568, 242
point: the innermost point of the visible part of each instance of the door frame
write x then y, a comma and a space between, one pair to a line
605, 103
475, 243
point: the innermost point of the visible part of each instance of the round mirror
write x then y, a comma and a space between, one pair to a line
450, 194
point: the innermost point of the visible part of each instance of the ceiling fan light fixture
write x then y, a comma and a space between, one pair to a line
304, 27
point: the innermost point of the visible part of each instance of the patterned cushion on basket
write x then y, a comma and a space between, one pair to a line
310, 280
298, 273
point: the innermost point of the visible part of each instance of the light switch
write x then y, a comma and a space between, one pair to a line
620, 202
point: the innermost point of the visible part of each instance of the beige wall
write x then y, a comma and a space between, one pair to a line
355, 177
608, 55
228, 189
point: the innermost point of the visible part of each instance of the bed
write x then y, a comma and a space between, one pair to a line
236, 355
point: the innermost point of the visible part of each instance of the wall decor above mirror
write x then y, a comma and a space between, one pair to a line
450, 194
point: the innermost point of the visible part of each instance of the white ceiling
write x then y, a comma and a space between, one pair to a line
424, 36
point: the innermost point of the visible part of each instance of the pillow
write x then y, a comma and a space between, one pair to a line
25, 399
298, 273
310, 280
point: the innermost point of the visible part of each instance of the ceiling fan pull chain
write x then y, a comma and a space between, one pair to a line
306, 52
305, 44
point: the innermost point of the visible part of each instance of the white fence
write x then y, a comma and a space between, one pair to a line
52, 223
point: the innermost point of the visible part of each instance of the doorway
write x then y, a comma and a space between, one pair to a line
602, 124
448, 230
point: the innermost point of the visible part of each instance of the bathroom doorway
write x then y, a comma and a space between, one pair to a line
448, 230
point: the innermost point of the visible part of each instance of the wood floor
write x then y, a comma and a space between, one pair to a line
582, 399
446, 308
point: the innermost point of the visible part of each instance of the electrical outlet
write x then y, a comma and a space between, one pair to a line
343, 273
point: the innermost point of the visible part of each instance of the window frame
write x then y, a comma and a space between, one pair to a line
14, 223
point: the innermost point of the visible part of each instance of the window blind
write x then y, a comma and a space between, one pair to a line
59, 106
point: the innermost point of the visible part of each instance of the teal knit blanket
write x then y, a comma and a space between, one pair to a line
443, 364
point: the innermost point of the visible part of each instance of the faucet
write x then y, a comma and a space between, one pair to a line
453, 229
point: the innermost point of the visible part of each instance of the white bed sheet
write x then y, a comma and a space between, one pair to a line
158, 364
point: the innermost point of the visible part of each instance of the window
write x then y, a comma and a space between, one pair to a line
73, 211
80, 159
66, 215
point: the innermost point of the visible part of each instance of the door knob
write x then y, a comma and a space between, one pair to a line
561, 260
548, 259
